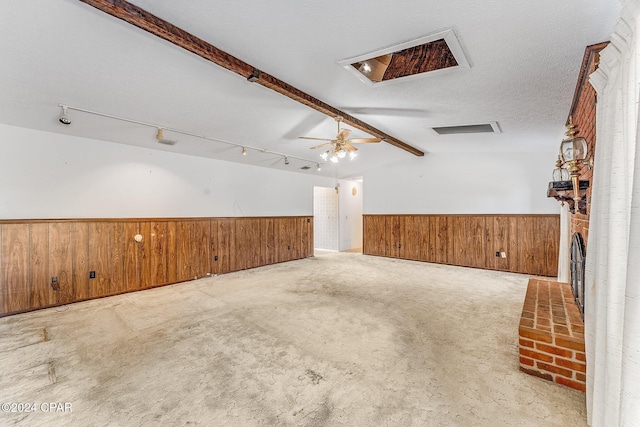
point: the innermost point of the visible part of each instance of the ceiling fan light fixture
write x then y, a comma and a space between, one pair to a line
325, 155
334, 159
341, 153
353, 155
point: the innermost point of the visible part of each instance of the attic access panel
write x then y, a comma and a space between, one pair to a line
430, 54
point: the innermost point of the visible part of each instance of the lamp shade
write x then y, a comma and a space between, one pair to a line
573, 149
560, 174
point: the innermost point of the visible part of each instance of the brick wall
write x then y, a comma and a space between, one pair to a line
551, 343
583, 113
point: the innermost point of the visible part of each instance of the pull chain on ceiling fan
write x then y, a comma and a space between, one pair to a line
340, 146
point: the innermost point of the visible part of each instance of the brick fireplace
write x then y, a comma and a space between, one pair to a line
551, 330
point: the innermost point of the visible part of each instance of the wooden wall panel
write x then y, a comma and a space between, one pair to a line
158, 253
172, 250
426, 250
202, 238
40, 290
14, 267
529, 241
267, 241
99, 257
242, 244
392, 236
224, 244
184, 252
80, 260
131, 256
410, 248
118, 250
144, 254
60, 261
550, 231
253, 235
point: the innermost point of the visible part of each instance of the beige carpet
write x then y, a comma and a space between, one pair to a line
339, 339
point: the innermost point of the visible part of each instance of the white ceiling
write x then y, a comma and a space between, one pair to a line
525, 57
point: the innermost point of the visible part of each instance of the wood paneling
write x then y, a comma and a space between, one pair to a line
530, 242
158, 253
131, 257
118, 247
60, 261
423, 58
80, 257
99, 257
171, 250
14, 267
39, 279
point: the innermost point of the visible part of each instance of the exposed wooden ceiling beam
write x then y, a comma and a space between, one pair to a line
142, 19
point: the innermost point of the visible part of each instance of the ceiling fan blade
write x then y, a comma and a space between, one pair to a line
350, 148
343, 134
320, 146
315, 139
363, 140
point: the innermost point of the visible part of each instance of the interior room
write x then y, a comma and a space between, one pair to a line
277, 213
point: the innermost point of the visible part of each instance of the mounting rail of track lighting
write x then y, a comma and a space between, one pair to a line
64, 119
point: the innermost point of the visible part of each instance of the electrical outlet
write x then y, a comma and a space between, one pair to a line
308, 220
498, 254
288, 247
503, 254
92, 275
55, 285
215, 258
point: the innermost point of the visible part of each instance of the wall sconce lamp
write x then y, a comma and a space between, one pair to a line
573, 153
567, 185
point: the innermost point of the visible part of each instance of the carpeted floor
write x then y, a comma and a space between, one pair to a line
339, 339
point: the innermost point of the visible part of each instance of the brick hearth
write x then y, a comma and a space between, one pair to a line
551, 344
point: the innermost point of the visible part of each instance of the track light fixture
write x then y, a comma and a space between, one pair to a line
318, 168
64, 119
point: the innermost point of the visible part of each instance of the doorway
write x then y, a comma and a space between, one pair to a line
326, 213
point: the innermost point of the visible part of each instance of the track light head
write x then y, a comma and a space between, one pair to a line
319, 168
286, 160
161, 140
244, 151
64, 119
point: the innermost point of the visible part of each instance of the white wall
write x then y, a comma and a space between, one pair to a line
474, 183
350, 215
48, 175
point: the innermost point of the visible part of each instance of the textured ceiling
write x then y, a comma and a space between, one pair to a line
525, 58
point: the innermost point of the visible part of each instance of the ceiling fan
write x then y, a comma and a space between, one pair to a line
340, 146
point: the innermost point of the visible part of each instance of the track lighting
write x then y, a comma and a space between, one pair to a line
319, 168
63, 118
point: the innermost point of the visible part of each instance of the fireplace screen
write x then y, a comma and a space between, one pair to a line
577, 270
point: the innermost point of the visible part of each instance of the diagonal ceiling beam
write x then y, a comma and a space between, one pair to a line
142, 19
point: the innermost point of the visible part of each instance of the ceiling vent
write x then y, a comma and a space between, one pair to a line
491, 127
428, 55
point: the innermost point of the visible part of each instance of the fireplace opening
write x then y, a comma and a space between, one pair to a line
577, 270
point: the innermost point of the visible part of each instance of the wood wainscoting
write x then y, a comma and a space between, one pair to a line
530, 243
93, 258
